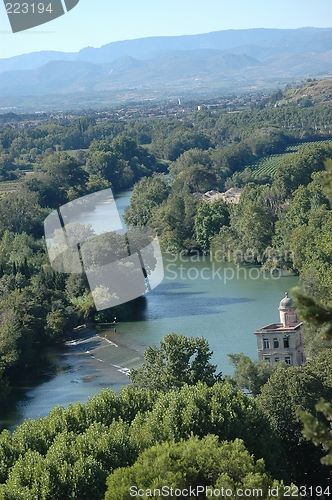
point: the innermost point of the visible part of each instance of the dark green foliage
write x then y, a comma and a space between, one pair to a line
188, 158
66, 176
265, 141
311, 245
252, 375
20, 212
174, 221
251, 226
178, 361
49, 193
287, 392
147, 194
201, 410
186, 465
170, 141
120, 162
233, 157
303, 124
312, 312
317, 431
76, 285
34, 309
200, 179
298, 170
70, 453
209, 220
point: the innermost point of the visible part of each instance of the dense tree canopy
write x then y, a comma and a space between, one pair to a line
251, 375
147, 194
287, 392
197, 466
209, 220
70, 453
178, 361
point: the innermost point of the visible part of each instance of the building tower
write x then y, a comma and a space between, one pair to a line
282, 341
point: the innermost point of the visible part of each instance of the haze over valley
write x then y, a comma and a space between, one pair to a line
163, 67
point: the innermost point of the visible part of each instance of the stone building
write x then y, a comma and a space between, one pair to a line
282, 341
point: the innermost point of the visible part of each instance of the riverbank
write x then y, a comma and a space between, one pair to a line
198, 297
108, 352
79, 368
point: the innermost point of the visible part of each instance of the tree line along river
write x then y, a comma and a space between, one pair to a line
199, 296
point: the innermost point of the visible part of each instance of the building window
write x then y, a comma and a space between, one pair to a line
268, 360
287, 360
276, 360
266, 343
286, 342
275, 343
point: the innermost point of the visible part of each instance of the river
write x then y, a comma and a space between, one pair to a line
198, 297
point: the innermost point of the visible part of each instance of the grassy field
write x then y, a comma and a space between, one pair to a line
269, 164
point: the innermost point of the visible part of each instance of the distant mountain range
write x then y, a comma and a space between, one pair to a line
211, 61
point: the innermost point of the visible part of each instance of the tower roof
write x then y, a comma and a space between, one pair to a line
286, 302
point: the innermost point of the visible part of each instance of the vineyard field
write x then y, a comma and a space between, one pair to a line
269, 164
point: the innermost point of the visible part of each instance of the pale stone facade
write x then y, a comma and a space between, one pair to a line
282, 341
230, 196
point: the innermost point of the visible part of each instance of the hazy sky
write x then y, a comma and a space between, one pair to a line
97, 22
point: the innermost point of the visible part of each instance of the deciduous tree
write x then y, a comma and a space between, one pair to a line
179, 360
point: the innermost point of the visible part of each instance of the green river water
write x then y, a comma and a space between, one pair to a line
198, 297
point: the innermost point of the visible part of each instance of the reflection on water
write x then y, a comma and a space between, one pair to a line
225, 313
80, 370
183, 300
196, 298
